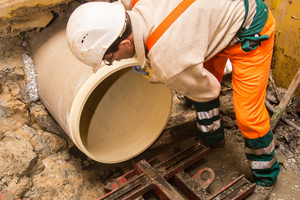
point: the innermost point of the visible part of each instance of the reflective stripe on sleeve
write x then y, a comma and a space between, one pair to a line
209, 128
208, 114
261, 151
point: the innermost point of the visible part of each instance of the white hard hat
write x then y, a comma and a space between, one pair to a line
92, 28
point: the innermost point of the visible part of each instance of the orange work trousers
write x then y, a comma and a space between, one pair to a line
250, 73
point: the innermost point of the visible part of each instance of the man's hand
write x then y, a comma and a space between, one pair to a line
146, 71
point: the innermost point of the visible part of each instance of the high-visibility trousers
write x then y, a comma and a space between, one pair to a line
250, 72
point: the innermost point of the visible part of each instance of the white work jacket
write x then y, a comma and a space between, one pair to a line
201, 31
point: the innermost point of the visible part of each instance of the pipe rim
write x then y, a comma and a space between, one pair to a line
85, 91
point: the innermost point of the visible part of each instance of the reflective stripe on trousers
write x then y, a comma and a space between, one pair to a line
209, 126
260, 153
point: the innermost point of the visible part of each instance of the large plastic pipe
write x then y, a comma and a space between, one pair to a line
112, 115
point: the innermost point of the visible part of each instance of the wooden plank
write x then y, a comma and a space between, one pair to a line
285, 100
169, 192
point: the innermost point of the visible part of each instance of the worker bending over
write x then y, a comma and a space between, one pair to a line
185, 45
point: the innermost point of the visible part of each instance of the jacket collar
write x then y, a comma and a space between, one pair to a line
138, 39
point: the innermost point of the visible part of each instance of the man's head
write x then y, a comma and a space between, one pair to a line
122, 47
93, 27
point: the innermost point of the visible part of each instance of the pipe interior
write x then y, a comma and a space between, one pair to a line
123, 116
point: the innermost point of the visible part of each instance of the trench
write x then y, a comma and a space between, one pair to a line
227, 163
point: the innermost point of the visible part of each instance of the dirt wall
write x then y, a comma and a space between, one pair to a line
35, 158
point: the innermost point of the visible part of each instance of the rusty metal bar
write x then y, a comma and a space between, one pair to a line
154, 175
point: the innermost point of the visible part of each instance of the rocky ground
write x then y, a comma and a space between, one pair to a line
38, 161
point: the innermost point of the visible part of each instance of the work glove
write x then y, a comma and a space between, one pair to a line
138, 69
146, 71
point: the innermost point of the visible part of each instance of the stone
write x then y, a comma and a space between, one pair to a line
64, 180
14, 89
46, 144
41, 116
5, 124
12, 107
19, 186
17, 159
55, 142
29, 22
24, 133
11, 62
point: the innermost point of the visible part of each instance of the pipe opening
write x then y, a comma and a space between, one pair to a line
123, 116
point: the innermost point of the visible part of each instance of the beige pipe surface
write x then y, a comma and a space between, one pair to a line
112, 115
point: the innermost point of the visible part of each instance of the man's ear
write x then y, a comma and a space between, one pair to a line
126, 43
